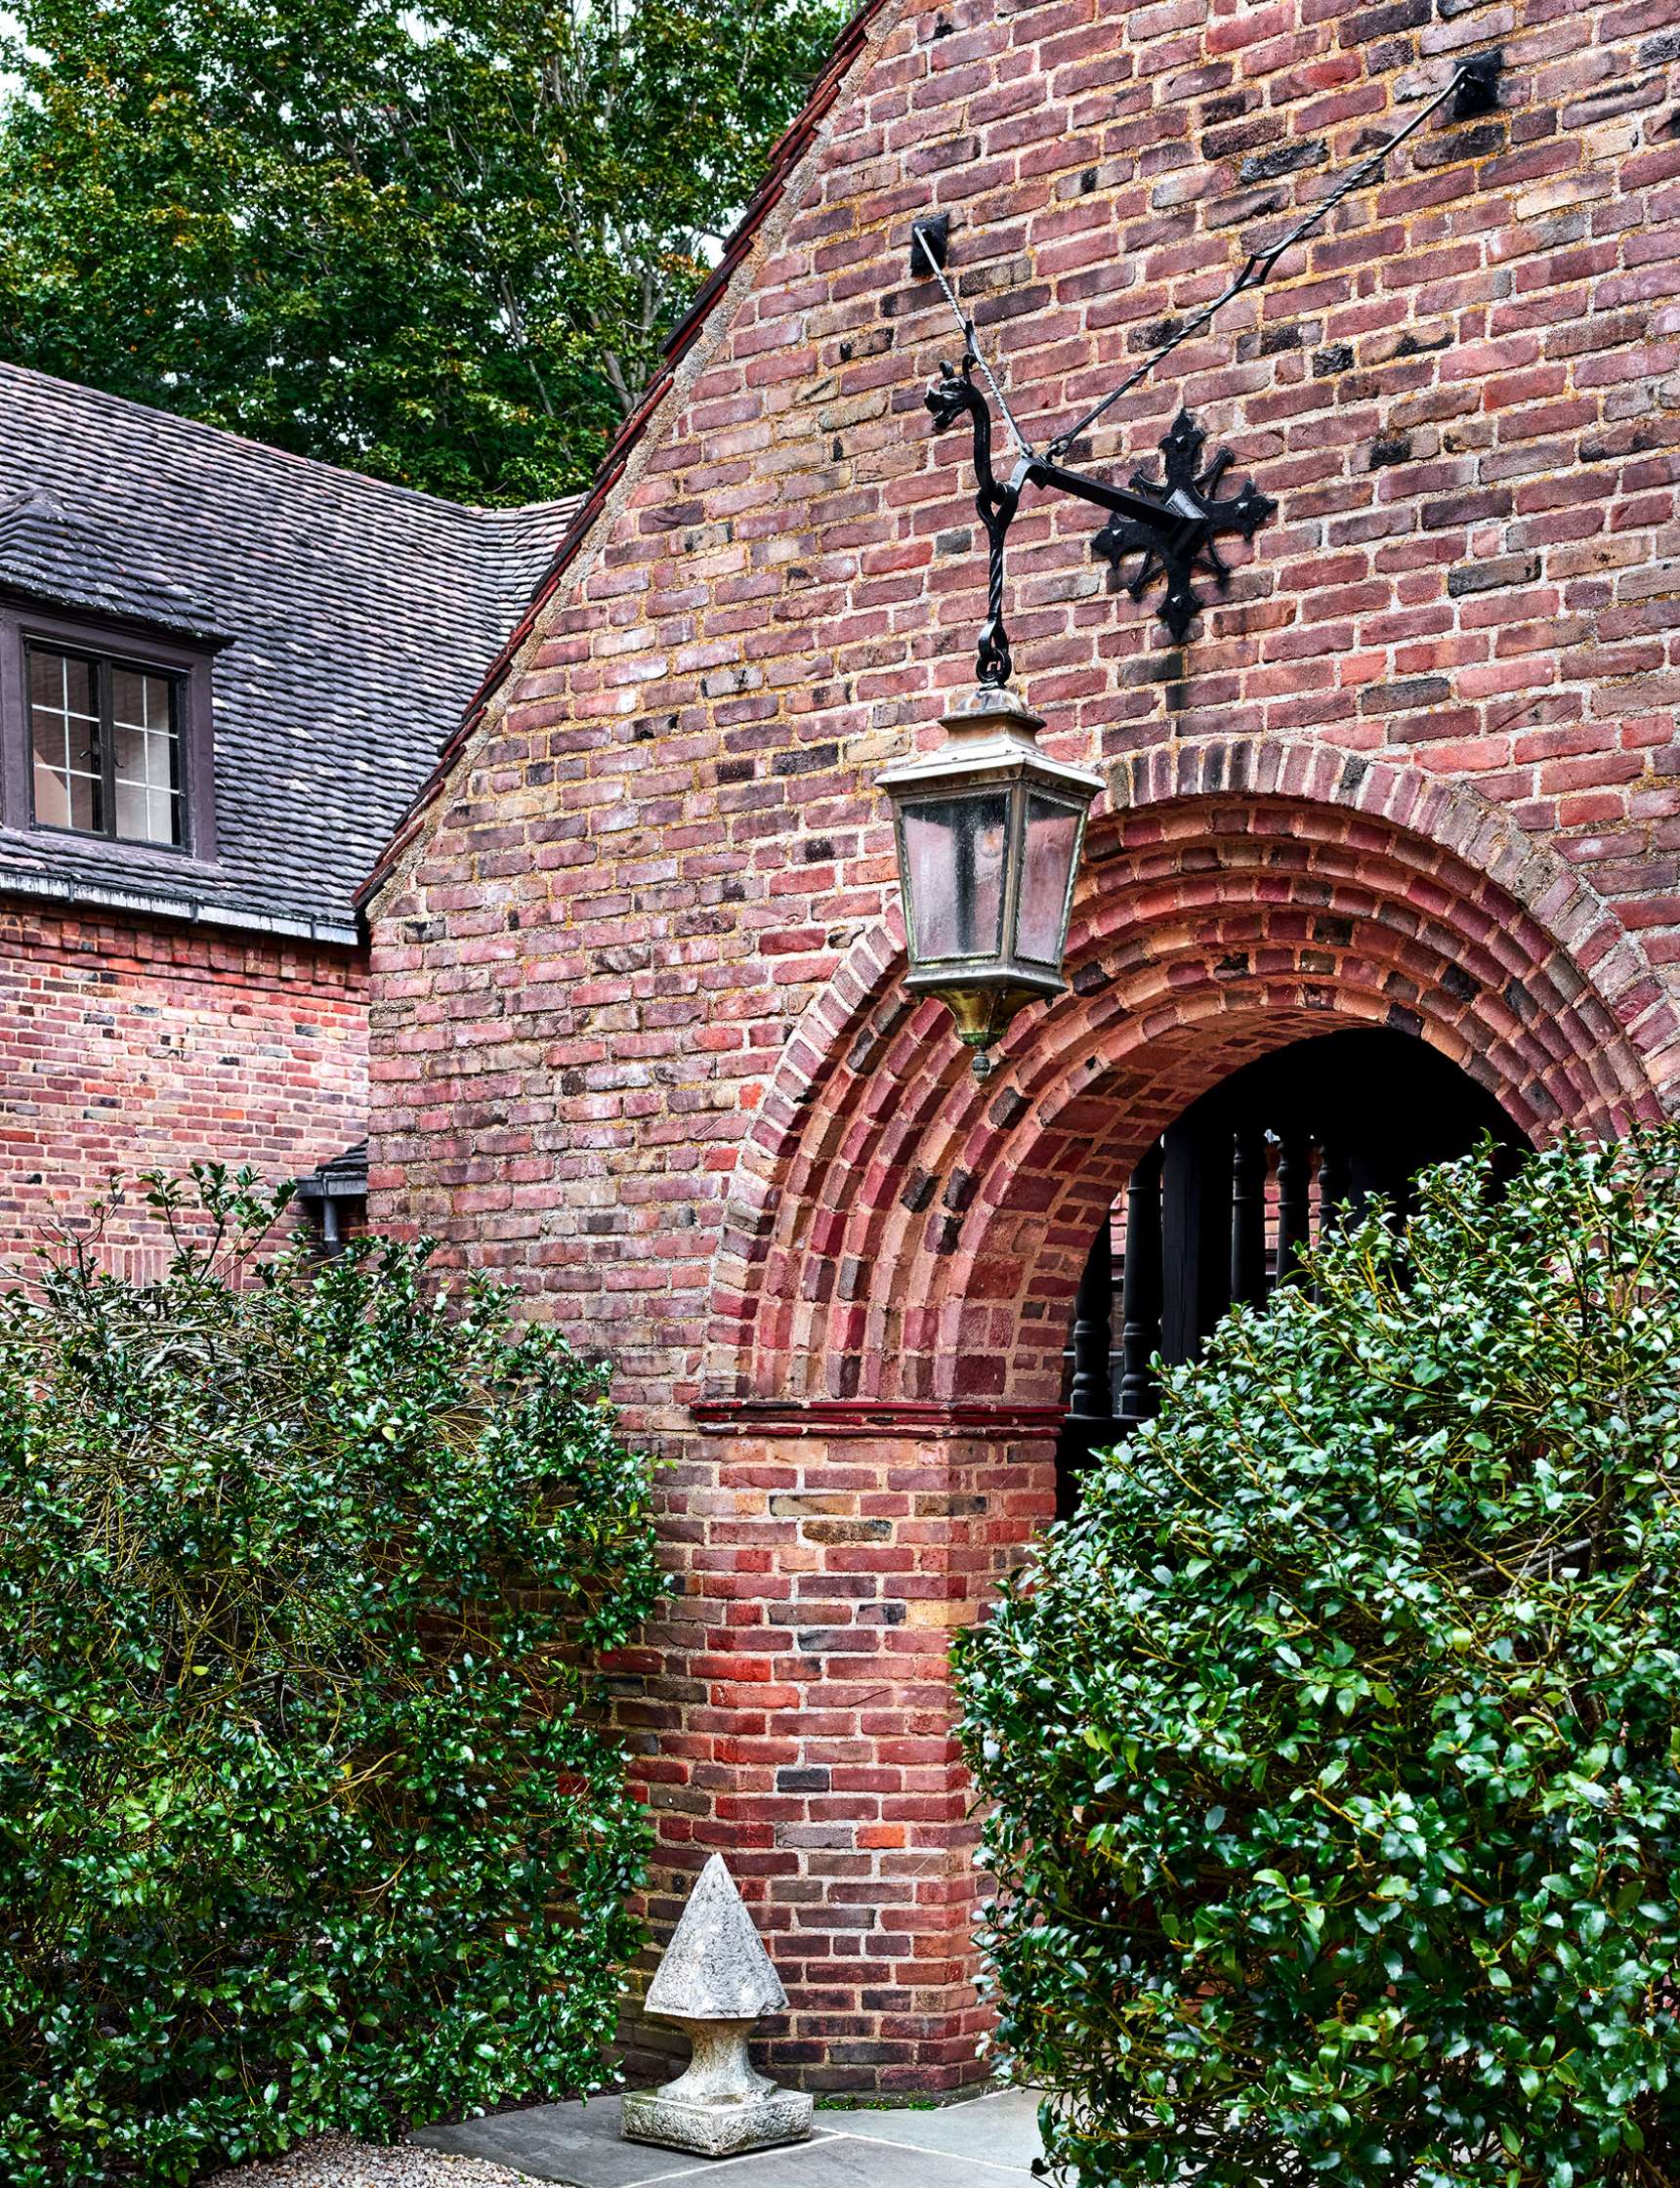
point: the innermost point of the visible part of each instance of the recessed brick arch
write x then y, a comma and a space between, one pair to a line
904, 1233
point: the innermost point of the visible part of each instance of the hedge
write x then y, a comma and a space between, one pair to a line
306, 1817
1332, 1750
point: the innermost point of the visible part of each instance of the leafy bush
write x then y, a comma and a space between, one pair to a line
1333, 1747
306, 1819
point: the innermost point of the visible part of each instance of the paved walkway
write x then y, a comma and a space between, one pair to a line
987, 2142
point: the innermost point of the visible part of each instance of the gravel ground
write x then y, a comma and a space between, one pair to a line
339, 2162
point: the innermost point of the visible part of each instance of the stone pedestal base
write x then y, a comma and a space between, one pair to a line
722, 2129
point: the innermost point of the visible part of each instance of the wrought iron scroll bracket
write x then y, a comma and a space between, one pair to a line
1172, 525
952, 396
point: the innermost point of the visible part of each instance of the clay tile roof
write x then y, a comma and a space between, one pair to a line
51, 554
353, 620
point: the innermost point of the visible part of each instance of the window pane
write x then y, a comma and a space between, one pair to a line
1052, 831
63, 732
138, 700
68, 743
145, 816
954, 853
65, 801
146, 756
64, 681
131, 814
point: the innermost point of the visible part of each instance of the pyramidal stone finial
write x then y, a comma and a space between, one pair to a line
715, 1967
715, 1980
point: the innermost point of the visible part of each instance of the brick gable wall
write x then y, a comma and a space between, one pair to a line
639, 1039
127, 1049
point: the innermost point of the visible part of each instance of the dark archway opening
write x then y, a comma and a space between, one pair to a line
1217, 1210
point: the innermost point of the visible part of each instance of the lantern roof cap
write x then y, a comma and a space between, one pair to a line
991, 733
985, 704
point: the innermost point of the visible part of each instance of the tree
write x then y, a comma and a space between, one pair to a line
441, 246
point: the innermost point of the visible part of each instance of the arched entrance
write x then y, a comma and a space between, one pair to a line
901, 1234
881, 1371
1218, 1206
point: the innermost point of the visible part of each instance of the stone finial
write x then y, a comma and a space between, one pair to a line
715, 1967
715, 1980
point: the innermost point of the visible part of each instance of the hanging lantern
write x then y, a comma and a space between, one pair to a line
989, 835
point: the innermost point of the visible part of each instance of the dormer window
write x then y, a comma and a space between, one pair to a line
106, 750
105, 723
105, 744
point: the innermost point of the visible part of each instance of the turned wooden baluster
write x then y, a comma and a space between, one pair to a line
1335, 1183
1092, 1395
1248, 1213
1294, 1199
1140, 1297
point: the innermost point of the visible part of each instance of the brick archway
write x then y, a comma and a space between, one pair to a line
903, 1235
895, 1281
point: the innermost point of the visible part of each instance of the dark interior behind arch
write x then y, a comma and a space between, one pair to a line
1216, 1210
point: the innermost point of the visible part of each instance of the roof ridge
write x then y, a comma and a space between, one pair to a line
523, 511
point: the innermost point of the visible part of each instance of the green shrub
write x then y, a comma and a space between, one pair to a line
306, 1820
1333, 1747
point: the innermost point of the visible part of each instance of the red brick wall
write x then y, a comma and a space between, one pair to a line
640, 1039
128, 1048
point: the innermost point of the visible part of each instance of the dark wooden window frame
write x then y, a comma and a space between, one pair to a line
187, 668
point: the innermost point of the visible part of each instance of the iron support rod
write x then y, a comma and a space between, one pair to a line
1258, 267
971, 344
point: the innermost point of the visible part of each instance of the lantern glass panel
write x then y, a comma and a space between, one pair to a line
956, 863
1047, 866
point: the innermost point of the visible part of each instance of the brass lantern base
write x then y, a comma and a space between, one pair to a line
983, 1014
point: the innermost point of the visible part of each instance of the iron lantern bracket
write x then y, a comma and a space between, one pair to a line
1172, 523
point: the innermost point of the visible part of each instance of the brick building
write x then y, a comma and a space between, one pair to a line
641, 1038
223, 671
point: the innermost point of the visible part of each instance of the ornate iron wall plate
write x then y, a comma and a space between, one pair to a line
1173, 524
1189, 495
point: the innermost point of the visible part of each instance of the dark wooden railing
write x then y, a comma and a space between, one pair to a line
1218, 1209
1229, 1225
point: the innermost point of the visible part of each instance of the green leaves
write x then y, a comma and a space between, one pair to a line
442, 245
1389, 1590
308, 1817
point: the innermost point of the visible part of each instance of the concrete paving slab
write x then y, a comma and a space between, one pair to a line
855, 2161
1002, 2129
989, 2142
575, 2144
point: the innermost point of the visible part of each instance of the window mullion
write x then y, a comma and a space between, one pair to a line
107, 751
179, 764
